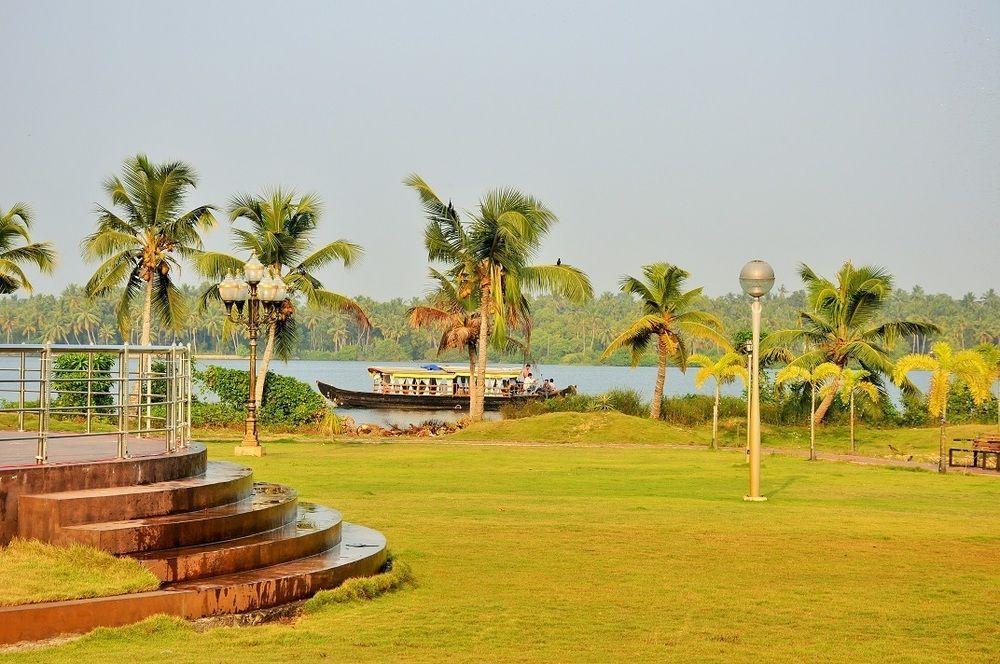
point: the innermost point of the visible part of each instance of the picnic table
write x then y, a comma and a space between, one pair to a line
983, 447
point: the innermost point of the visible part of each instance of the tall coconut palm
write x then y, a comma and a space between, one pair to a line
489, 255
722, 370
140, 238
947, 368
17, 250
458, 319
281, 232
843, 326
814, 378
670, 318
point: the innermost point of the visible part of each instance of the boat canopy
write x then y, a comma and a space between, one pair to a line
442, 371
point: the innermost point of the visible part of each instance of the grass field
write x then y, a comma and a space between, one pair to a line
623, 553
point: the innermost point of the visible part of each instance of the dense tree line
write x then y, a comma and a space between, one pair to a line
563, 332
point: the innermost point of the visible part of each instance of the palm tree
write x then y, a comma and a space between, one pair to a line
843, 326
845, 383
814, 377
669, 316
991, 357
947, 367
18, 250
489, 257
282, 226
722, 370
139, 248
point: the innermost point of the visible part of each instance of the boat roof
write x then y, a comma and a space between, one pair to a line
443, 371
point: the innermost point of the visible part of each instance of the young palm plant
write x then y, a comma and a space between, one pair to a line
845, 383
947, 368
18, 250
843, 326
814, 378
489, 255
670, 318
282, 226
722, 370
140, 238
990, 353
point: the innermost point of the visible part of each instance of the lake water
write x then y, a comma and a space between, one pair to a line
588, 380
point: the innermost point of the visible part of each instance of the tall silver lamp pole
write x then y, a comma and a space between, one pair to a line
756, 280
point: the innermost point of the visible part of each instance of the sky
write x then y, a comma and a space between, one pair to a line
699, 133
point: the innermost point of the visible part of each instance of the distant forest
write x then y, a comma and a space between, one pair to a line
563, 333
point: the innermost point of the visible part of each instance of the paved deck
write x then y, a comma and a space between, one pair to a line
18, 448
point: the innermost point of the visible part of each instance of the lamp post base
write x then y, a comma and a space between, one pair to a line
755, 499
249, 450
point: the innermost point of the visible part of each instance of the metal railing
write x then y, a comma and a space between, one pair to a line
113, 397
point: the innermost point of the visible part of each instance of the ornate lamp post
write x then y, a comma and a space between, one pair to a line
756, 279
252, 300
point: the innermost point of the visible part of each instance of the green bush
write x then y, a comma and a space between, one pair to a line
70, 373
216, 414
625, 401
286, 401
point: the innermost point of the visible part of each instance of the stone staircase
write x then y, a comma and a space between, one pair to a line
220, 543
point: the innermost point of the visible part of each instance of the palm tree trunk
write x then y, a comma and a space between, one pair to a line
265, 363
942, 464
812, 423
827, 401
661, 376
147, 315
853, 446
477, 394
715, 418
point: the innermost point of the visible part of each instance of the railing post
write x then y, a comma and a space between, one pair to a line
188, 378
123, 398
90, 393
41, 454
20, 394
169, 379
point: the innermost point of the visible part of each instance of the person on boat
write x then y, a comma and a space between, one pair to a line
549, 386
530, 384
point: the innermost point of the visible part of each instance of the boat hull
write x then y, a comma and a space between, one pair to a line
352, 399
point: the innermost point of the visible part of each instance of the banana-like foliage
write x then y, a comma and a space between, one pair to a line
669, 317
139, 238
17, 250
843, 325
722, 370
489, 257
947, 367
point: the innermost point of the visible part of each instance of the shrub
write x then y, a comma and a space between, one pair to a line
70, 373
286, 401
625, 401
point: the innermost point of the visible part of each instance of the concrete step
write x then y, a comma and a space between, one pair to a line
316, 529
269, 506
360, 552
42, 516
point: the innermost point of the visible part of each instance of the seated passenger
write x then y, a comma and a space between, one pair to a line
530, 384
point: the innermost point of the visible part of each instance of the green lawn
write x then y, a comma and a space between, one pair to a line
31, 571
636, 553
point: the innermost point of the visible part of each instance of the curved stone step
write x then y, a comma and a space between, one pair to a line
269, 506
315, 530
361, 552
40, 516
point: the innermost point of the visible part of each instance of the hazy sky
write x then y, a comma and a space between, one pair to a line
699, 133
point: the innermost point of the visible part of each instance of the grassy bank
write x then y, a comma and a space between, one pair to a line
34, 572
636, 553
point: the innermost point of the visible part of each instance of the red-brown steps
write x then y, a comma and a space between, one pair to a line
315, 530
270, 506
43, 516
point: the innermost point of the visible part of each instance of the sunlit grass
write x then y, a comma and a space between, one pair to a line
31, 571
623, 554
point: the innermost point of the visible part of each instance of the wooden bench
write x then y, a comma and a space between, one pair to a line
982, 448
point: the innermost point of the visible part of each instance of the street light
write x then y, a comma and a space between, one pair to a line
756, 279
252, 300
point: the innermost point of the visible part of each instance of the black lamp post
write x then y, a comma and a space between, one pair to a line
251, 301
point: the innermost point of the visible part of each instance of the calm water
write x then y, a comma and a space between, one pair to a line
588, 380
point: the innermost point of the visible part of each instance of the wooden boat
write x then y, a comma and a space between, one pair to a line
432, 387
